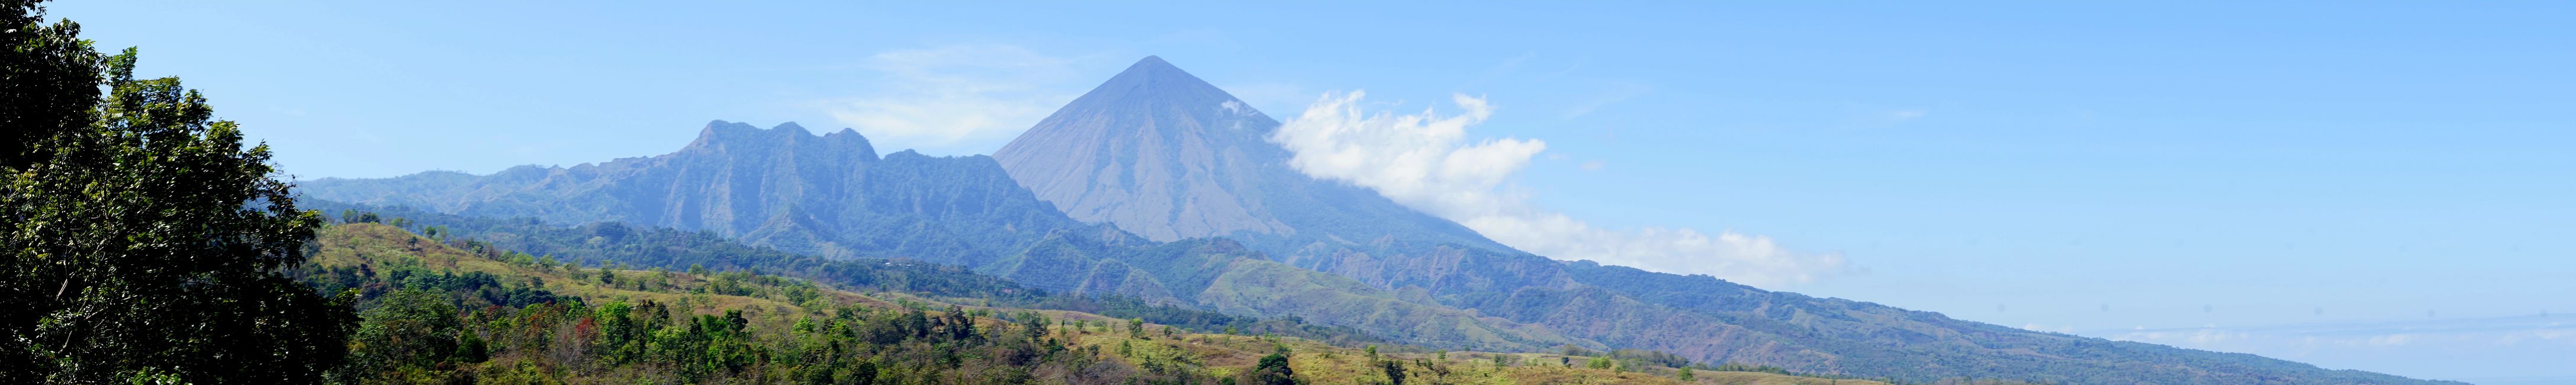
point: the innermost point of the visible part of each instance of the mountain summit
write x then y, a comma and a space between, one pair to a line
1162, 154
782, 187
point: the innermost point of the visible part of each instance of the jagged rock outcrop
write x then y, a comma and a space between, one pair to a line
782, 187
1174, 161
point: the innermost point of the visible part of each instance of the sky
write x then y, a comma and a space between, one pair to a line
2358, 185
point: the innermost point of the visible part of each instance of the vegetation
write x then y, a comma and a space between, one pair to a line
534, 243
436, 313
143, 241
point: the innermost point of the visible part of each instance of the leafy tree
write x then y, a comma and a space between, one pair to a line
1684, 374
1394, 371
49, 79
409, 330
1600, 363
143, 241
1273, 369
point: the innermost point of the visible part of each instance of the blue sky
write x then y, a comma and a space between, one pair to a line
2156, 172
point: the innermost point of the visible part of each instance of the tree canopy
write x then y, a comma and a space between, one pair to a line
143, 240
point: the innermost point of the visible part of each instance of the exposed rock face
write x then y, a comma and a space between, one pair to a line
1146, 151
1162, 154
782, 187
1158, 152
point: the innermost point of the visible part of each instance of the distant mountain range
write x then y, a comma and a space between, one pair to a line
1157, 185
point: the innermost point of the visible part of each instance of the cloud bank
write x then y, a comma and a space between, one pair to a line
2522, 349
1426, 161
955, 99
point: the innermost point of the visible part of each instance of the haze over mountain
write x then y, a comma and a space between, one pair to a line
1160, 153
782, 187
1159, 186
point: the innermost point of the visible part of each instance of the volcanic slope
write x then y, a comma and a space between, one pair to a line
1164, 155
1192, 159
1161, 153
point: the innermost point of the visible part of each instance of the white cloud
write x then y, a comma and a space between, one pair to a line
964, 98
2392, 339
1427, 162
1276, 96
1907, 114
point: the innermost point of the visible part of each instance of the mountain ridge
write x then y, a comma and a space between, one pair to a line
1348, 256
1162, 154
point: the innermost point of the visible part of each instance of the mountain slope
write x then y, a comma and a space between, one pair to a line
782, 187
1166, 156
1346, 257
1161, 153
829, 196
493, 318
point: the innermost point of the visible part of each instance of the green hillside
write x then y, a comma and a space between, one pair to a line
1189, 276
443, 311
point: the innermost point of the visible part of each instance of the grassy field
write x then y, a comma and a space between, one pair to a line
772, 302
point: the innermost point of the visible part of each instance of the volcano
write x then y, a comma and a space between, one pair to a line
1160, 153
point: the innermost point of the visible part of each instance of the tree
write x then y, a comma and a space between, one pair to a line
1394, 371
142, 239
1273, 369
49, 79
409, 329
1683, 374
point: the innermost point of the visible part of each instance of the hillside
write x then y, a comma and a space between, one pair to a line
1326, 300
784, 187
1382, 269
1154, 149
1157, 152
439, 313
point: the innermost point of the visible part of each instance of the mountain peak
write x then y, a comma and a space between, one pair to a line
1156, 132
1152, 81
1165, 155
719, 135
1153, 67
1151, 60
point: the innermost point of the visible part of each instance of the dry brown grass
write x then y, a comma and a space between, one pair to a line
1218, 354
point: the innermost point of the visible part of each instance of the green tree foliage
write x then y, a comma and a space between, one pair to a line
703, 252
49, 79
404, 338
1650, 357
1273, 370
1394, 370
1737, 367
414, 335
143, 240
1600, 363
1684, 374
